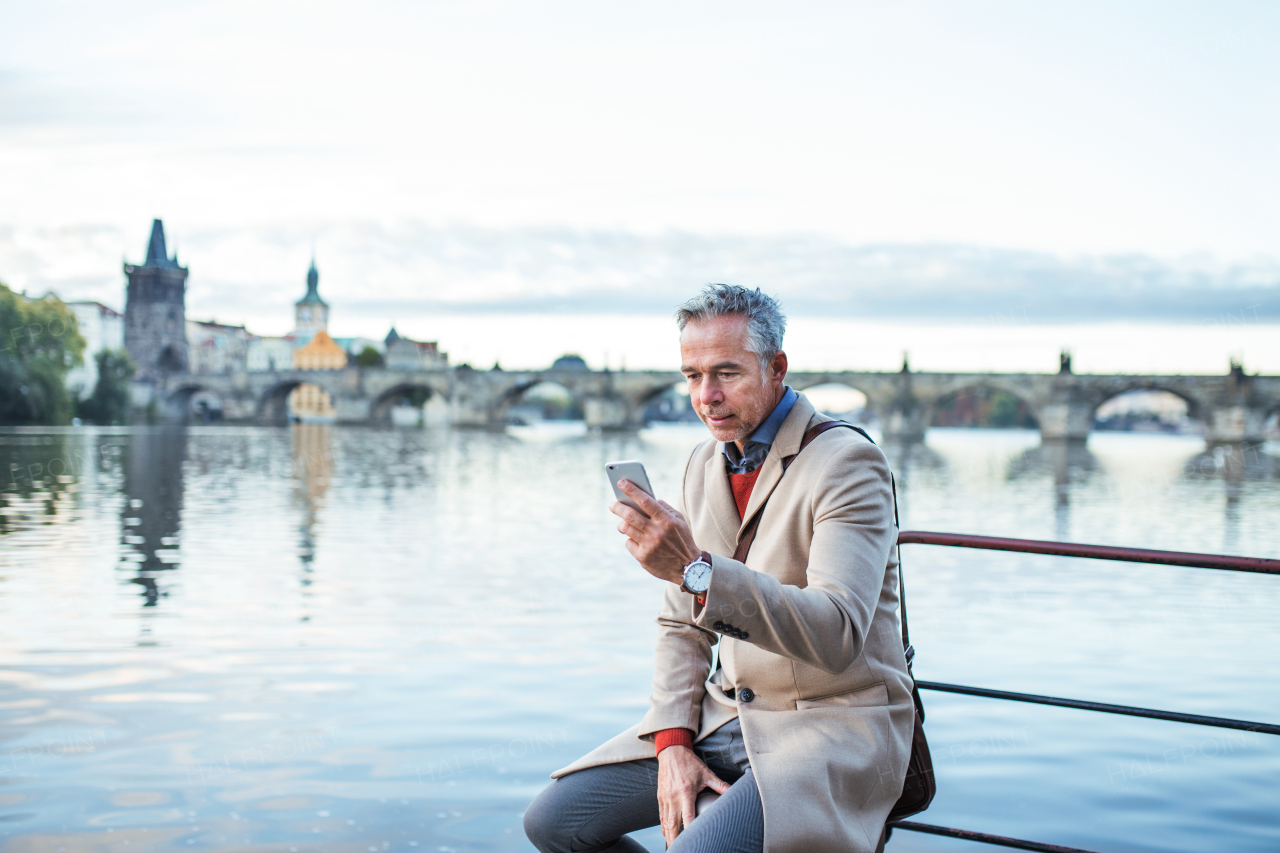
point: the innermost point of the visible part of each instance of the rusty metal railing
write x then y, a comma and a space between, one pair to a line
1093, 552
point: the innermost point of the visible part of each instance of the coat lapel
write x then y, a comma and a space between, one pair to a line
724, 511
787, 443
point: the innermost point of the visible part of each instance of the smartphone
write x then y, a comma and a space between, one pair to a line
704, 801
632, 470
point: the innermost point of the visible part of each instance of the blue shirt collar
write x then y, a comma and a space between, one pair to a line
756, 447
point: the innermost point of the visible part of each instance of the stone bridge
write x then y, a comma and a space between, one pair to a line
1234, 407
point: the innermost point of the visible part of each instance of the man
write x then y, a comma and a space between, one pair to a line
804, 729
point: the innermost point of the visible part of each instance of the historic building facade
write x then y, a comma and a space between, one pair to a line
214, 348
310, 317
102, 329
319, 353
315, 351
155, 332
401, 353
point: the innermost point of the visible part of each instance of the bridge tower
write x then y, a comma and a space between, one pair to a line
155, 308
1068, 413
904, 419
310, 313
1237, 413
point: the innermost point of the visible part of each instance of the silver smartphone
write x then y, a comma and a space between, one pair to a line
628, 469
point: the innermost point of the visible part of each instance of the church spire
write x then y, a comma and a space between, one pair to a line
310, 313
313, 286
157, 253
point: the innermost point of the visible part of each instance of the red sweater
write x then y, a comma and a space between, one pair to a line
742, 485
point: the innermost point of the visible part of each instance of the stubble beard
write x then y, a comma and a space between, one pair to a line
735, 430
731, 431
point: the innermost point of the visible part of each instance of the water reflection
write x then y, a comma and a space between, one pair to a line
1069, 462
312, 453
151, 517
41, 478
1238, 466
371, 627
909, 461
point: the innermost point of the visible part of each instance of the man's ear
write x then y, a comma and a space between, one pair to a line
779, 367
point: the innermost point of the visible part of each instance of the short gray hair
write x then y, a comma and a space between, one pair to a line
766, 323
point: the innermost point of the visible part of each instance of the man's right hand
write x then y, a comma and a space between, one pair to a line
681, 777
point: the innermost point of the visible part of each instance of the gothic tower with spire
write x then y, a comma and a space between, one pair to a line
155, 328
310, 313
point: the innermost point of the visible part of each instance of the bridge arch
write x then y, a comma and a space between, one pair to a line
273, 405
880, 390
667, 402
838, 399
1113, 408
1196, 408
178, 403
418, 394
554, 400
995, 404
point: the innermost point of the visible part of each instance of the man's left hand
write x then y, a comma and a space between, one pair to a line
663, 542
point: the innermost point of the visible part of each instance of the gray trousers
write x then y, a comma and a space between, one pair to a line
594, 809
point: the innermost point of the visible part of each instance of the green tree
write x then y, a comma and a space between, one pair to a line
369, 357
1004, 410
39, 342
109, 403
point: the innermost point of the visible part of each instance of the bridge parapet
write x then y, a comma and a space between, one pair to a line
1234, 407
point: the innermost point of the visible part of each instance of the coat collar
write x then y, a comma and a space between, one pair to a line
758, 443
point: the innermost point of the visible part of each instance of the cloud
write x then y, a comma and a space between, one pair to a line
384, 270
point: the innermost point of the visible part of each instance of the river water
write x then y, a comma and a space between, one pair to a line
349, 639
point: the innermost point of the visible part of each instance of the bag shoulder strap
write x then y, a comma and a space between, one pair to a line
749, 534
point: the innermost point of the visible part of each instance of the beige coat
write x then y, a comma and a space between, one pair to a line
829, 729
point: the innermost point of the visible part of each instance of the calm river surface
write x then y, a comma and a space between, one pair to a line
346, 639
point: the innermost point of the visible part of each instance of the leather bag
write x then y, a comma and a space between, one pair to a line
919, 786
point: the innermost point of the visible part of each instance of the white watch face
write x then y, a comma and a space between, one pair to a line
698, 577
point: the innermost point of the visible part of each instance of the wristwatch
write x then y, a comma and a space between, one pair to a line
697, 575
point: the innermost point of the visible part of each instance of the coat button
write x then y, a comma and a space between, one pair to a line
746, 694
719, 626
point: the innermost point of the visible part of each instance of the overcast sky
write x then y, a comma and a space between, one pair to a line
496, 152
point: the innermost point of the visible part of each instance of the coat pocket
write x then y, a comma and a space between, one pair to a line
865, 697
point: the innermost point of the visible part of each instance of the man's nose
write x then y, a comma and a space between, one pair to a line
711, 394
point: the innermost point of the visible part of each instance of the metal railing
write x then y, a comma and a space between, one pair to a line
1093, 552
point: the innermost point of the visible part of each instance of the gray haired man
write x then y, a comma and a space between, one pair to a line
804, 729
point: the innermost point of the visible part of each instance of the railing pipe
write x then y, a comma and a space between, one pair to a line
1258, 565
1127, 710
985, 837
1093, 552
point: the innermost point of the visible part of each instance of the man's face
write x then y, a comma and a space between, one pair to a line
728, 390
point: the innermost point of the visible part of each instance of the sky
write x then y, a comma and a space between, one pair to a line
1084, 161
